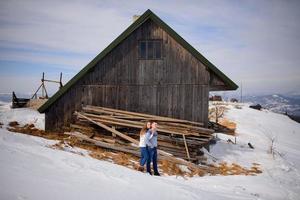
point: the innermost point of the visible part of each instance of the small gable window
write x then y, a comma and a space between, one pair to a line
150, 49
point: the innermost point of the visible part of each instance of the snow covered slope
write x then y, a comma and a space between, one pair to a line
30, 169
23, 116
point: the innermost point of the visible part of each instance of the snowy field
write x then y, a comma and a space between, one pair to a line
30, 169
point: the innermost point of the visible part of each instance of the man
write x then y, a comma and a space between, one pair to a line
151, 142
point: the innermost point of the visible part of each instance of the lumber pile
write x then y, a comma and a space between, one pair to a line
119, 130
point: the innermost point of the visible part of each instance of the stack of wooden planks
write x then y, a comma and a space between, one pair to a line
119, 130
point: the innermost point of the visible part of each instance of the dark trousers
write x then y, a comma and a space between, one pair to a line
144, 155
153, 158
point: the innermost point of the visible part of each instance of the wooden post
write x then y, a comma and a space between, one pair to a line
35, 94
60, 81
217, 112
113, 134
186, 147
43, 86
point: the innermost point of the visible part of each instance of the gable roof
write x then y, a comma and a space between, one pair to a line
147, 15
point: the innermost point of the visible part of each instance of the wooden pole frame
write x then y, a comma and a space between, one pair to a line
43, 86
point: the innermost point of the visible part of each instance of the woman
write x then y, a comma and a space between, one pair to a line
151, 143
143, 147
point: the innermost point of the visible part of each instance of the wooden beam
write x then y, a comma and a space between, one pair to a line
52, 81
109, 129
143, 115
136, 124
164, 120
103, 144
163, 125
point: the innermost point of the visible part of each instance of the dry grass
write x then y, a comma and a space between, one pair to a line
30, 129
231, 126
35, 103
225, 169
216, 114
171, 168
131, 161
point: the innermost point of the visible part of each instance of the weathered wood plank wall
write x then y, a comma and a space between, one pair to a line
175, 86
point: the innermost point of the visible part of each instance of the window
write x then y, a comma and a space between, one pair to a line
142, 50
150, 49
157, 49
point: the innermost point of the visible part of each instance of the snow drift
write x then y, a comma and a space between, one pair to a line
30, 169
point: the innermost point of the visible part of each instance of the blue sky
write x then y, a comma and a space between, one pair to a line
254, 42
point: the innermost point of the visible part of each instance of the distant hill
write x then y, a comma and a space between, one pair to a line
277, 103
5, 97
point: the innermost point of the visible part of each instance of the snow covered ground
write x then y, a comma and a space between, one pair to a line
23, 116
30, 169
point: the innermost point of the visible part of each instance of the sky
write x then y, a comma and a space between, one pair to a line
256, 43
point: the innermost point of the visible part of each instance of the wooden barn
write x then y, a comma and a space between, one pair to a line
150, 69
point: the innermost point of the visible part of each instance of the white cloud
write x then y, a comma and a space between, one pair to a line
256, 42
61, 25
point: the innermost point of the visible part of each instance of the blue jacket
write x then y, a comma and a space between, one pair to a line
151, 139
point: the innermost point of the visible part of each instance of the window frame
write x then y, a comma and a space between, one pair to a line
154, 47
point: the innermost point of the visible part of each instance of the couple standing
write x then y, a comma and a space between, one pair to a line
148, 147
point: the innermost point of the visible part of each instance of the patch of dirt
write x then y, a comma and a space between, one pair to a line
13, 124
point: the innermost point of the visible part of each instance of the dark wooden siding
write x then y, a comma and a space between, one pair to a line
175, 86
216, 83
